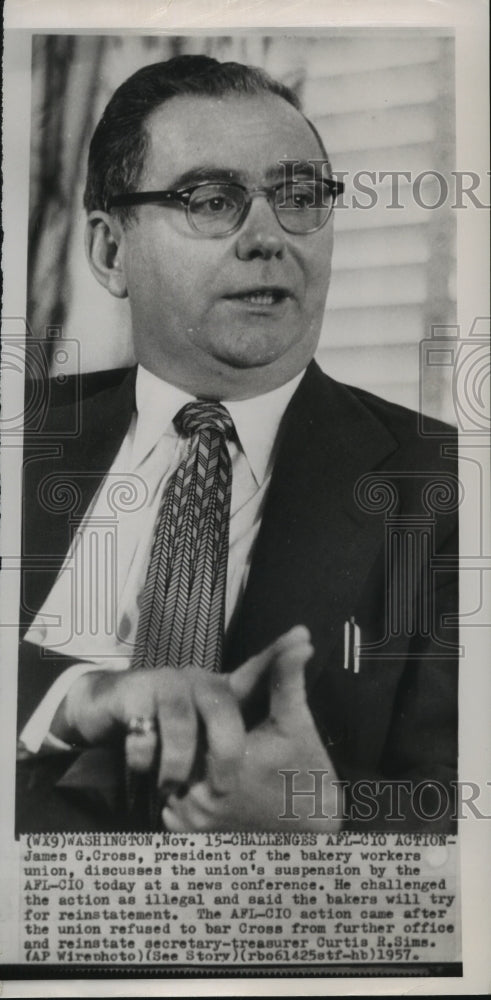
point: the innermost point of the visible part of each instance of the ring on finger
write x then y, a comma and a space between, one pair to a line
140, 725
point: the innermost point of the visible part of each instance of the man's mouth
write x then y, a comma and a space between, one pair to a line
260, 296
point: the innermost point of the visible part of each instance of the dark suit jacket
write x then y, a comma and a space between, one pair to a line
360, 521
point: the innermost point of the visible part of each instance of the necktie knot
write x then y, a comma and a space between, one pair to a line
204, 414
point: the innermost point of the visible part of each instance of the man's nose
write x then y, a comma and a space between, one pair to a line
260, 234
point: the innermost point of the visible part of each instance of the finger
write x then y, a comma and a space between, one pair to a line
225, 732
178, 727
197, 810
287, 685
201, 797
135, 706
140, 751
175, 820
243, 681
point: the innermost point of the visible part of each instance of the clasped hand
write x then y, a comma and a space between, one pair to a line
212, 773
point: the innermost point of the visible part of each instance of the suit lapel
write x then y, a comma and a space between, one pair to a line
316, 546
105, 419
63, 467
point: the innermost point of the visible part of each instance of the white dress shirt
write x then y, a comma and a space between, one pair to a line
91, 613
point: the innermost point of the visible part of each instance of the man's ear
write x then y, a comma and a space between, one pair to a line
104, 245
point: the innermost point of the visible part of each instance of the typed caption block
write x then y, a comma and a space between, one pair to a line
247, 899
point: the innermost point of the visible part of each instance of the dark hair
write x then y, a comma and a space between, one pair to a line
119, 144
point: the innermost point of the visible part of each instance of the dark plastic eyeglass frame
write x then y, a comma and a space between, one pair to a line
182, 197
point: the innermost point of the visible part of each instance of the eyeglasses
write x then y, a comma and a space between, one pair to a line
219, 209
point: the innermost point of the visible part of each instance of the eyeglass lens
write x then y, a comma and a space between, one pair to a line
300, 207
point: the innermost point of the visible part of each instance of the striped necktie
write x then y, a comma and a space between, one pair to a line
182, 608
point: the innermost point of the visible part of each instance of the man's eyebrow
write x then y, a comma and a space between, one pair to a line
301, 168
207, 173
280, 171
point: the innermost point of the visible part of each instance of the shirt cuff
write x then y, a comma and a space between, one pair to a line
36, 735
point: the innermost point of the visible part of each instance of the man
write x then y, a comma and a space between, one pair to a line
223, 249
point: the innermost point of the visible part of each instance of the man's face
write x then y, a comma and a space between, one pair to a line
202, 312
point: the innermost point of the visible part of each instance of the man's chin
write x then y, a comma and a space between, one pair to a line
252, 354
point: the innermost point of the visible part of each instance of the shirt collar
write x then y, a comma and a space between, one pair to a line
157, 403
256, 420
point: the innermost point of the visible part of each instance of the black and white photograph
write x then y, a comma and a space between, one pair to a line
245, 417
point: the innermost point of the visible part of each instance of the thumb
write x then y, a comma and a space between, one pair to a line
245, 678
287, 680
